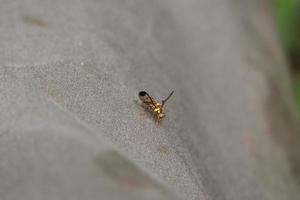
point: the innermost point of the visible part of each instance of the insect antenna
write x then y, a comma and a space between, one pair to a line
166, 99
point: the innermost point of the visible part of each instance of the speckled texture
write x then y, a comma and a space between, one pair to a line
70, 127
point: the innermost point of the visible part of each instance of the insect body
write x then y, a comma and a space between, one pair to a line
154, 107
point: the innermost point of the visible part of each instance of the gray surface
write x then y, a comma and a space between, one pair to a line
70, 129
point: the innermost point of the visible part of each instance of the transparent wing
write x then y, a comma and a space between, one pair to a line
146, 98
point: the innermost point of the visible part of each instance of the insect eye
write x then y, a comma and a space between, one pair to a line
142, 93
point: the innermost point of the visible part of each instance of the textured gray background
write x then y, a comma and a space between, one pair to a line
70, 72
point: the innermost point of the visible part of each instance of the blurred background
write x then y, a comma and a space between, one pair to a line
288, 17
70, 72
